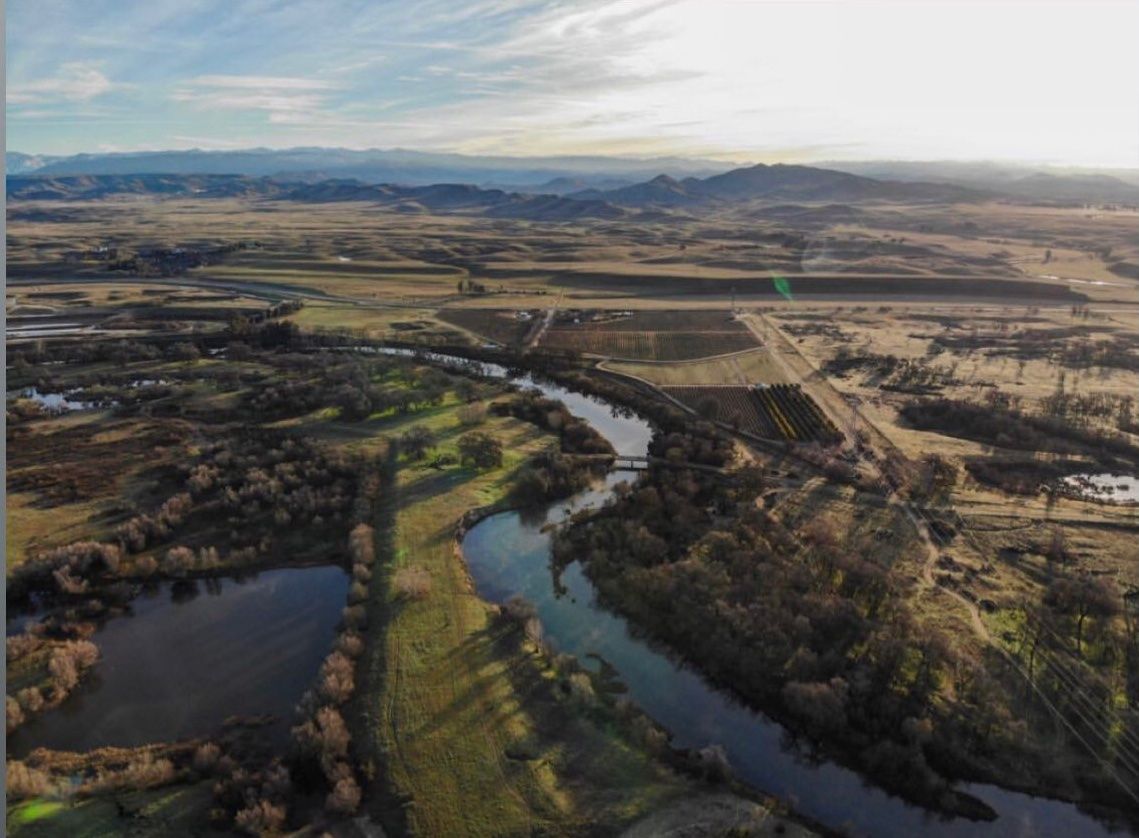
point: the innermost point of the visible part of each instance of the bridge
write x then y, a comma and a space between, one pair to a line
641, 462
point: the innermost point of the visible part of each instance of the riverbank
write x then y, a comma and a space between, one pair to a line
462, 713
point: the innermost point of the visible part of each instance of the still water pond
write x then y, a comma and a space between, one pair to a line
189, 656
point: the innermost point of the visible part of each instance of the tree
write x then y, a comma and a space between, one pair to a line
416, 440
1082, 597
480, 450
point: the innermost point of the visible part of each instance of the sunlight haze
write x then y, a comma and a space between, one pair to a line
772, 81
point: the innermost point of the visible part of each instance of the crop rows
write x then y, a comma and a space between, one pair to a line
781, 411
795, 414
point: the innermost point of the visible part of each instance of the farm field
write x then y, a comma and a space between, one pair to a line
504, 326
780, 411
753, 366
648, 335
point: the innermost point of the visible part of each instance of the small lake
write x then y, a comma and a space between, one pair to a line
191, 654
1111, 488
53, 402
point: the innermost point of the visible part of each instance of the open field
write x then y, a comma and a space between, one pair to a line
506, 327
648, 335
360, 252
956, 363
780, 411
458, 697
752, 366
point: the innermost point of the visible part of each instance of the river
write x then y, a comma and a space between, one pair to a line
509, 554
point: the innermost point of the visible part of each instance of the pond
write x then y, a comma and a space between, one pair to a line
53, 402
1105, 487
191, 654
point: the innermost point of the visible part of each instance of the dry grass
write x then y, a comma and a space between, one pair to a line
753, 366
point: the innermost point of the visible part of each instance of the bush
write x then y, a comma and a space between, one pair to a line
471, 414
412, 582
361, 544
480, 450
344, 799
206, 757
31, 699
261, 817
350, 644
325, 737
23, 781
14, 713
336, 678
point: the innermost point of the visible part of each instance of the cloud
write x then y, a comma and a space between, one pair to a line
75, 81
285, 98
761, 79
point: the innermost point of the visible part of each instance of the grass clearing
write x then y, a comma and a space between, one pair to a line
754, 366
463, 715
172, 810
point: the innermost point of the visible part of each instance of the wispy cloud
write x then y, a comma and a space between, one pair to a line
284, 98
762, 79
75, 81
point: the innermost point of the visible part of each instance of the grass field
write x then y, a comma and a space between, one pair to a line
454, 696
753, 366
407, 324
502, 327
173, 810
649, 335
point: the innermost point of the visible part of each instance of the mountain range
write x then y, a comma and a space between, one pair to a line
621, 180
777, 182
410, 168
761, 185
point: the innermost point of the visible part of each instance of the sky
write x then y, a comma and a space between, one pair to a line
741, 80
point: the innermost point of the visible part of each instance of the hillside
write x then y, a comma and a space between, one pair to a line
778, 182
439, 197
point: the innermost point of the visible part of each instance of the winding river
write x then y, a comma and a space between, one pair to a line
509, 554
185, 660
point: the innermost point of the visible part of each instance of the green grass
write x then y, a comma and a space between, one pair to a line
448, 692
172, 810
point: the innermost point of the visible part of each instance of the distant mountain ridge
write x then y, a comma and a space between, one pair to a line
411, 168
439, 197
1018, 181
777, 182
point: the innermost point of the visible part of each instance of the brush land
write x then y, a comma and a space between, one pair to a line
926, 409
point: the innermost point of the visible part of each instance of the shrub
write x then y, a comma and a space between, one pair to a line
345, 795
412, 582
471, 414
324, 736
355, 617
31, 699
350, 644
261, 817
480, 450
178, 560
14, 713
206, 757
24, 781
361, 544
336, 678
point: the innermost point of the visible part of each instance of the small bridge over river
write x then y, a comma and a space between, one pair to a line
641, 462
